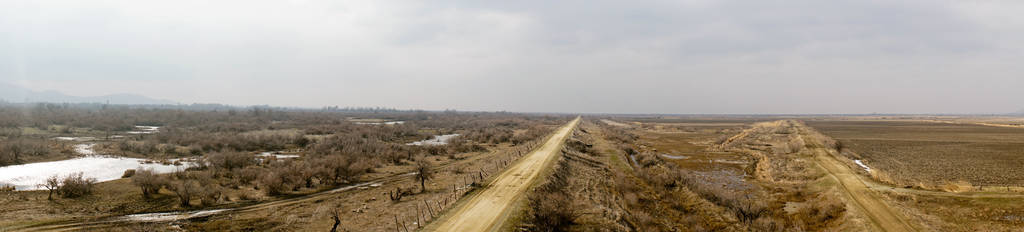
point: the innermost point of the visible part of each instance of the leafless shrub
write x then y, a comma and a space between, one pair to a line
274, 183
185, 189
552, 206
248, 174
148, 181
17, 150
224, 162
76, 185
128, 173
211, 194
818, 211
399, 193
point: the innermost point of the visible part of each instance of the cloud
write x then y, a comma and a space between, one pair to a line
566, 56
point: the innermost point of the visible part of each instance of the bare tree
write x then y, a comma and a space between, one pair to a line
423, 172
52, 184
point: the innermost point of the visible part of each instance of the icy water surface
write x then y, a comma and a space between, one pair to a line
91, 165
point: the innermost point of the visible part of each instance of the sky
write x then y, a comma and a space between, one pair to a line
593, 56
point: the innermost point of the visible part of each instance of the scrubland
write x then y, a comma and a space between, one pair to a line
332, 150
355, 171
598, 186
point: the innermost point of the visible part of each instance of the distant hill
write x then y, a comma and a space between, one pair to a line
11, 93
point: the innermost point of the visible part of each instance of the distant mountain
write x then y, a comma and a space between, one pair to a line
11, 93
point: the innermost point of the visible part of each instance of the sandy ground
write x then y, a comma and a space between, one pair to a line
882, 216
489, 209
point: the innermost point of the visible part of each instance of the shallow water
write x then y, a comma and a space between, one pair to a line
436, 140
92, 165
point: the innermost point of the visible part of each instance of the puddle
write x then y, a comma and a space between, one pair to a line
437, 140
866, 168
92, 165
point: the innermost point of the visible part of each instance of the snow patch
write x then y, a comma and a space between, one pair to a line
436, 140
145, 130
277, 155
675, 157
866, 168
380, 123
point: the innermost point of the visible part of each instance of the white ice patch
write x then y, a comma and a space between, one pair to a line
277, 155
866, 168
675, 157
380, 123
145, 130
76, 139
103, 168
436, 140
171, 216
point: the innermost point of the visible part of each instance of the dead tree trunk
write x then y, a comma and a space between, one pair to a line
337, 221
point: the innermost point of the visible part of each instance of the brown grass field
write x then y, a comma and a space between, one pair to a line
932, 154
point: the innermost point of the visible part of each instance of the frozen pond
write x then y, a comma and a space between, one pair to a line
103, 168
866, 168
437, 140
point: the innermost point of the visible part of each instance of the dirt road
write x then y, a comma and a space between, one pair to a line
882, 216
487, 210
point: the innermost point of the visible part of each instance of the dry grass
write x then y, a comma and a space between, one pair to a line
733, 176
932, 155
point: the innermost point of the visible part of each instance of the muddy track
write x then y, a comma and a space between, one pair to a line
489, 209
881, 214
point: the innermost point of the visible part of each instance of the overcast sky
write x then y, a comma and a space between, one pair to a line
714, 56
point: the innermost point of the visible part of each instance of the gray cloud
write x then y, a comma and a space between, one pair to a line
564, 56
